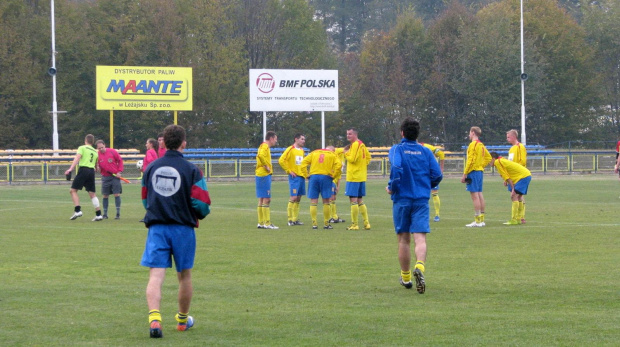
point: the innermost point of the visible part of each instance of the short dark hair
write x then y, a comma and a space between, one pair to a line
353, 130
90, 139
98, 142
269, 135
494, 155
298, 135
174, 135
410, 128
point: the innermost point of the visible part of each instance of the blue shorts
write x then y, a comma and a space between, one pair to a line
355, 189
263, 187
296, 186
411, 216
521, 186
167, 241
320, 184
476, 182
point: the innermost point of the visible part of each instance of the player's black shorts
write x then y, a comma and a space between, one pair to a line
110, 185
84, 179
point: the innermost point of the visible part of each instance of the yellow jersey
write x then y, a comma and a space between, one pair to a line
508, 169
322, 162
290, 160
478, 157
518, 154
438, 153
358, 158
340, 154
263, 158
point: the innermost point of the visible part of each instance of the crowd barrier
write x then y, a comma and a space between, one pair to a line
37, 170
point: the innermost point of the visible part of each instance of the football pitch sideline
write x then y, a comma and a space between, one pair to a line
554, 281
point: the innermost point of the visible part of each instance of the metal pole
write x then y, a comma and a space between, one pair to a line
111, 128
523, 137
264, 124
322, 129
53, 73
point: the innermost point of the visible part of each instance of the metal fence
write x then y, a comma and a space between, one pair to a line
235, 169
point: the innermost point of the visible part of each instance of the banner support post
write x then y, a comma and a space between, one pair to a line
111, 128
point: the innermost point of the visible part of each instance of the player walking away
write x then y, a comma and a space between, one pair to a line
290, 161
336, 188
414, 171
161, 145
175, 196
86, 160
111, 167
324, 168
517, 178
151, 153
478, 158
440, 156
517, 154
358, 158
263, 172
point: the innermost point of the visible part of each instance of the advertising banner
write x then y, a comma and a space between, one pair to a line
144, 88
293, 90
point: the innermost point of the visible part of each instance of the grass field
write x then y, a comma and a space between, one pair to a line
554, 281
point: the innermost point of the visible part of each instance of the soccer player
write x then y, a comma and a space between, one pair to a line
518, 154
334, 218
517, 178
324, 168
414, 171
478, 158
151, 153
86, 161
290, 161
161, 144
111, 167
358, 158
263, 172
175, 196
440, 156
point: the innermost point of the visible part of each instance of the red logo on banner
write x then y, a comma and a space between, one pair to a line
265, 83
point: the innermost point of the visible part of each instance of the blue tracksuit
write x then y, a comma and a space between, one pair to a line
414, 171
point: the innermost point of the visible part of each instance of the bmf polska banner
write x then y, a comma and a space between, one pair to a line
144, 88
293, 90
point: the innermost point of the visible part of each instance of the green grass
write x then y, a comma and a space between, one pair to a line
553, 281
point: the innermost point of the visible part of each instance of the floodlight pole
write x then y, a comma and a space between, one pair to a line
52, 72
523, 78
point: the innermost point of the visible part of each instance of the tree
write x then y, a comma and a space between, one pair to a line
603, 33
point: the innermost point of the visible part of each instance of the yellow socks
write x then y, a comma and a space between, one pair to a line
364, 211
313, 213
406, 275
481, 217
290, 210
154, 315
266, 215
355, 211
326, 210
521, 210
332, 207
436, 203
296, 211
515, 212
261, 219
181, 317
420, 265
